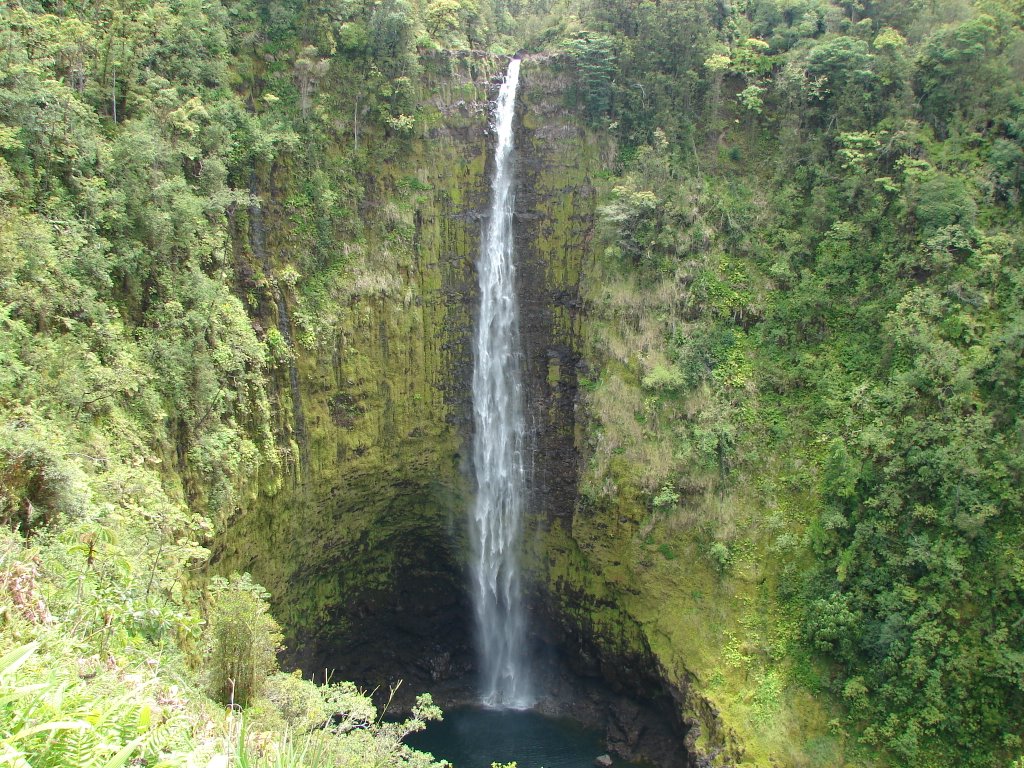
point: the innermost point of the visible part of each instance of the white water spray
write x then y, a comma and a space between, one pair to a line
498, 440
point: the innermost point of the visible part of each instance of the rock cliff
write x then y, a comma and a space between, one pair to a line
361, 541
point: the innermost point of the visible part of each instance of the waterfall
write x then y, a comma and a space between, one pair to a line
498, 440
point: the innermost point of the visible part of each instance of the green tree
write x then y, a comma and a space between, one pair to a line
594, 55
243, 639
455, 23
954, 74
842, 80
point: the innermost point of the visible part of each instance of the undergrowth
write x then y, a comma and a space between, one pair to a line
83, 686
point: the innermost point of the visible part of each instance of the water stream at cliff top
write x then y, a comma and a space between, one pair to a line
499, 439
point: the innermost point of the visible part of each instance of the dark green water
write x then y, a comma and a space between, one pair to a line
475, 738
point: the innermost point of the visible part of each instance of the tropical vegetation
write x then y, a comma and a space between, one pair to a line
807, 294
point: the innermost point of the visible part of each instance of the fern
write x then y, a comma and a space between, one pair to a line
161, 737
68, 723
126, 727
121, 758
12, 660
78, 748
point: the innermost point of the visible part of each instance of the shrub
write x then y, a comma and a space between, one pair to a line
243, 639
666, 498
662, 379
720, 557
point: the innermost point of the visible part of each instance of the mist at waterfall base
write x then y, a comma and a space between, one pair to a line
475, 737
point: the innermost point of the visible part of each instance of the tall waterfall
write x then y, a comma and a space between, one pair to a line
498, 441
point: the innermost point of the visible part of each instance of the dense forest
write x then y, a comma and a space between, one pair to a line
823, 274
804, 342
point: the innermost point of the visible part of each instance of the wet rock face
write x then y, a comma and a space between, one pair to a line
413, 627
554, 222
609, 678
634, 728
359, 536
606, 675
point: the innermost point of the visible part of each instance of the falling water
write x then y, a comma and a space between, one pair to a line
498, 441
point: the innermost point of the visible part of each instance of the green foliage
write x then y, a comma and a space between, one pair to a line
71, 698
336, 726
720, 557
841, 75
390, 27
636, 216
954, 69
118, 319
919, 526
243, 639
820, 322
666, 498
594, 55
53, 718
663, 379
455, 23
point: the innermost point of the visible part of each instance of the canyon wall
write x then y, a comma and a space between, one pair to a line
360, 539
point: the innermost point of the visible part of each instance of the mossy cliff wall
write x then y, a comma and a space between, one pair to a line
684, 648
361, 541
579, 614
360, 537
557, 159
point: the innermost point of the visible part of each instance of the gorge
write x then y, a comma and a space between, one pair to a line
371, 579
276, 410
